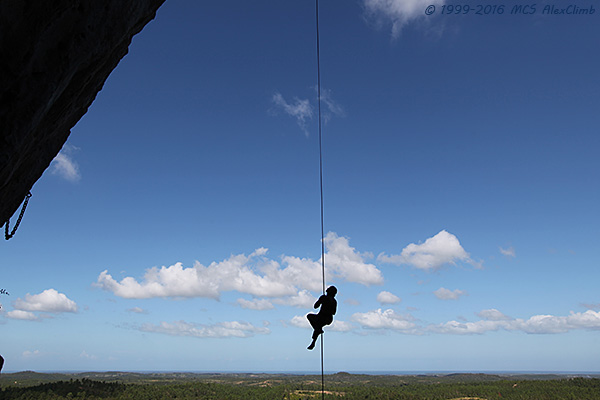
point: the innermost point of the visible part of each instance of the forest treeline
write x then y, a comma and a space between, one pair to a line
573, 388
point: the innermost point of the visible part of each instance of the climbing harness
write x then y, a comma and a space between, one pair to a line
7, 235
320, 182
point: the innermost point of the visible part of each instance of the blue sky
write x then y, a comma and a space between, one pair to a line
178, 229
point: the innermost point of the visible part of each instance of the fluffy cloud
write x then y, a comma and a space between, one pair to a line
235, 273
344, 262
557, 324
49, 301
340, 326
254, 275
541, 324
387, 319
509, 252
24, 315
300, 321
443, 248
64, 166
299, 109
447, 294
398, 13
301, 300
388, 298
303, 272
220, 330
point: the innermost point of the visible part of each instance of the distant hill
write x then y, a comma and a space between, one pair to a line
31, 378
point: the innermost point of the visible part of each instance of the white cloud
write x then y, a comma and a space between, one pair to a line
388, 298
299, 109
256, 304
541, 324
447, 294
509, 252
301, 300
443, 248
345, 262
387, 319
234, 273
219, 330
24, 315
337, 326
340, 326
492, 320
48, 301
64, 166
537, 324
557, 324
300, 321
303, 272
254, 275
398, 13
29, 353
586, 320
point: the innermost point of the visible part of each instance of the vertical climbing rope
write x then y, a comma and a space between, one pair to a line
320, 183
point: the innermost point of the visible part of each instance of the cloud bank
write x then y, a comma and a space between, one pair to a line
491, 320
255, 275
537, 324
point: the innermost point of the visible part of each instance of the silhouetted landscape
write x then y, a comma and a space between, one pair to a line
342, 385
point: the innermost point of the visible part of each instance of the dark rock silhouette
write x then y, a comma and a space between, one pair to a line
1, 363
54, 58
324, 316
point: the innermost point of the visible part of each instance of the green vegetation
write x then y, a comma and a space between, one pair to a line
132, 386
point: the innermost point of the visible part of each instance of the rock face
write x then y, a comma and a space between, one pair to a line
55, 56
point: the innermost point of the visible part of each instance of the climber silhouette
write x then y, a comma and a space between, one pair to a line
325, 316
